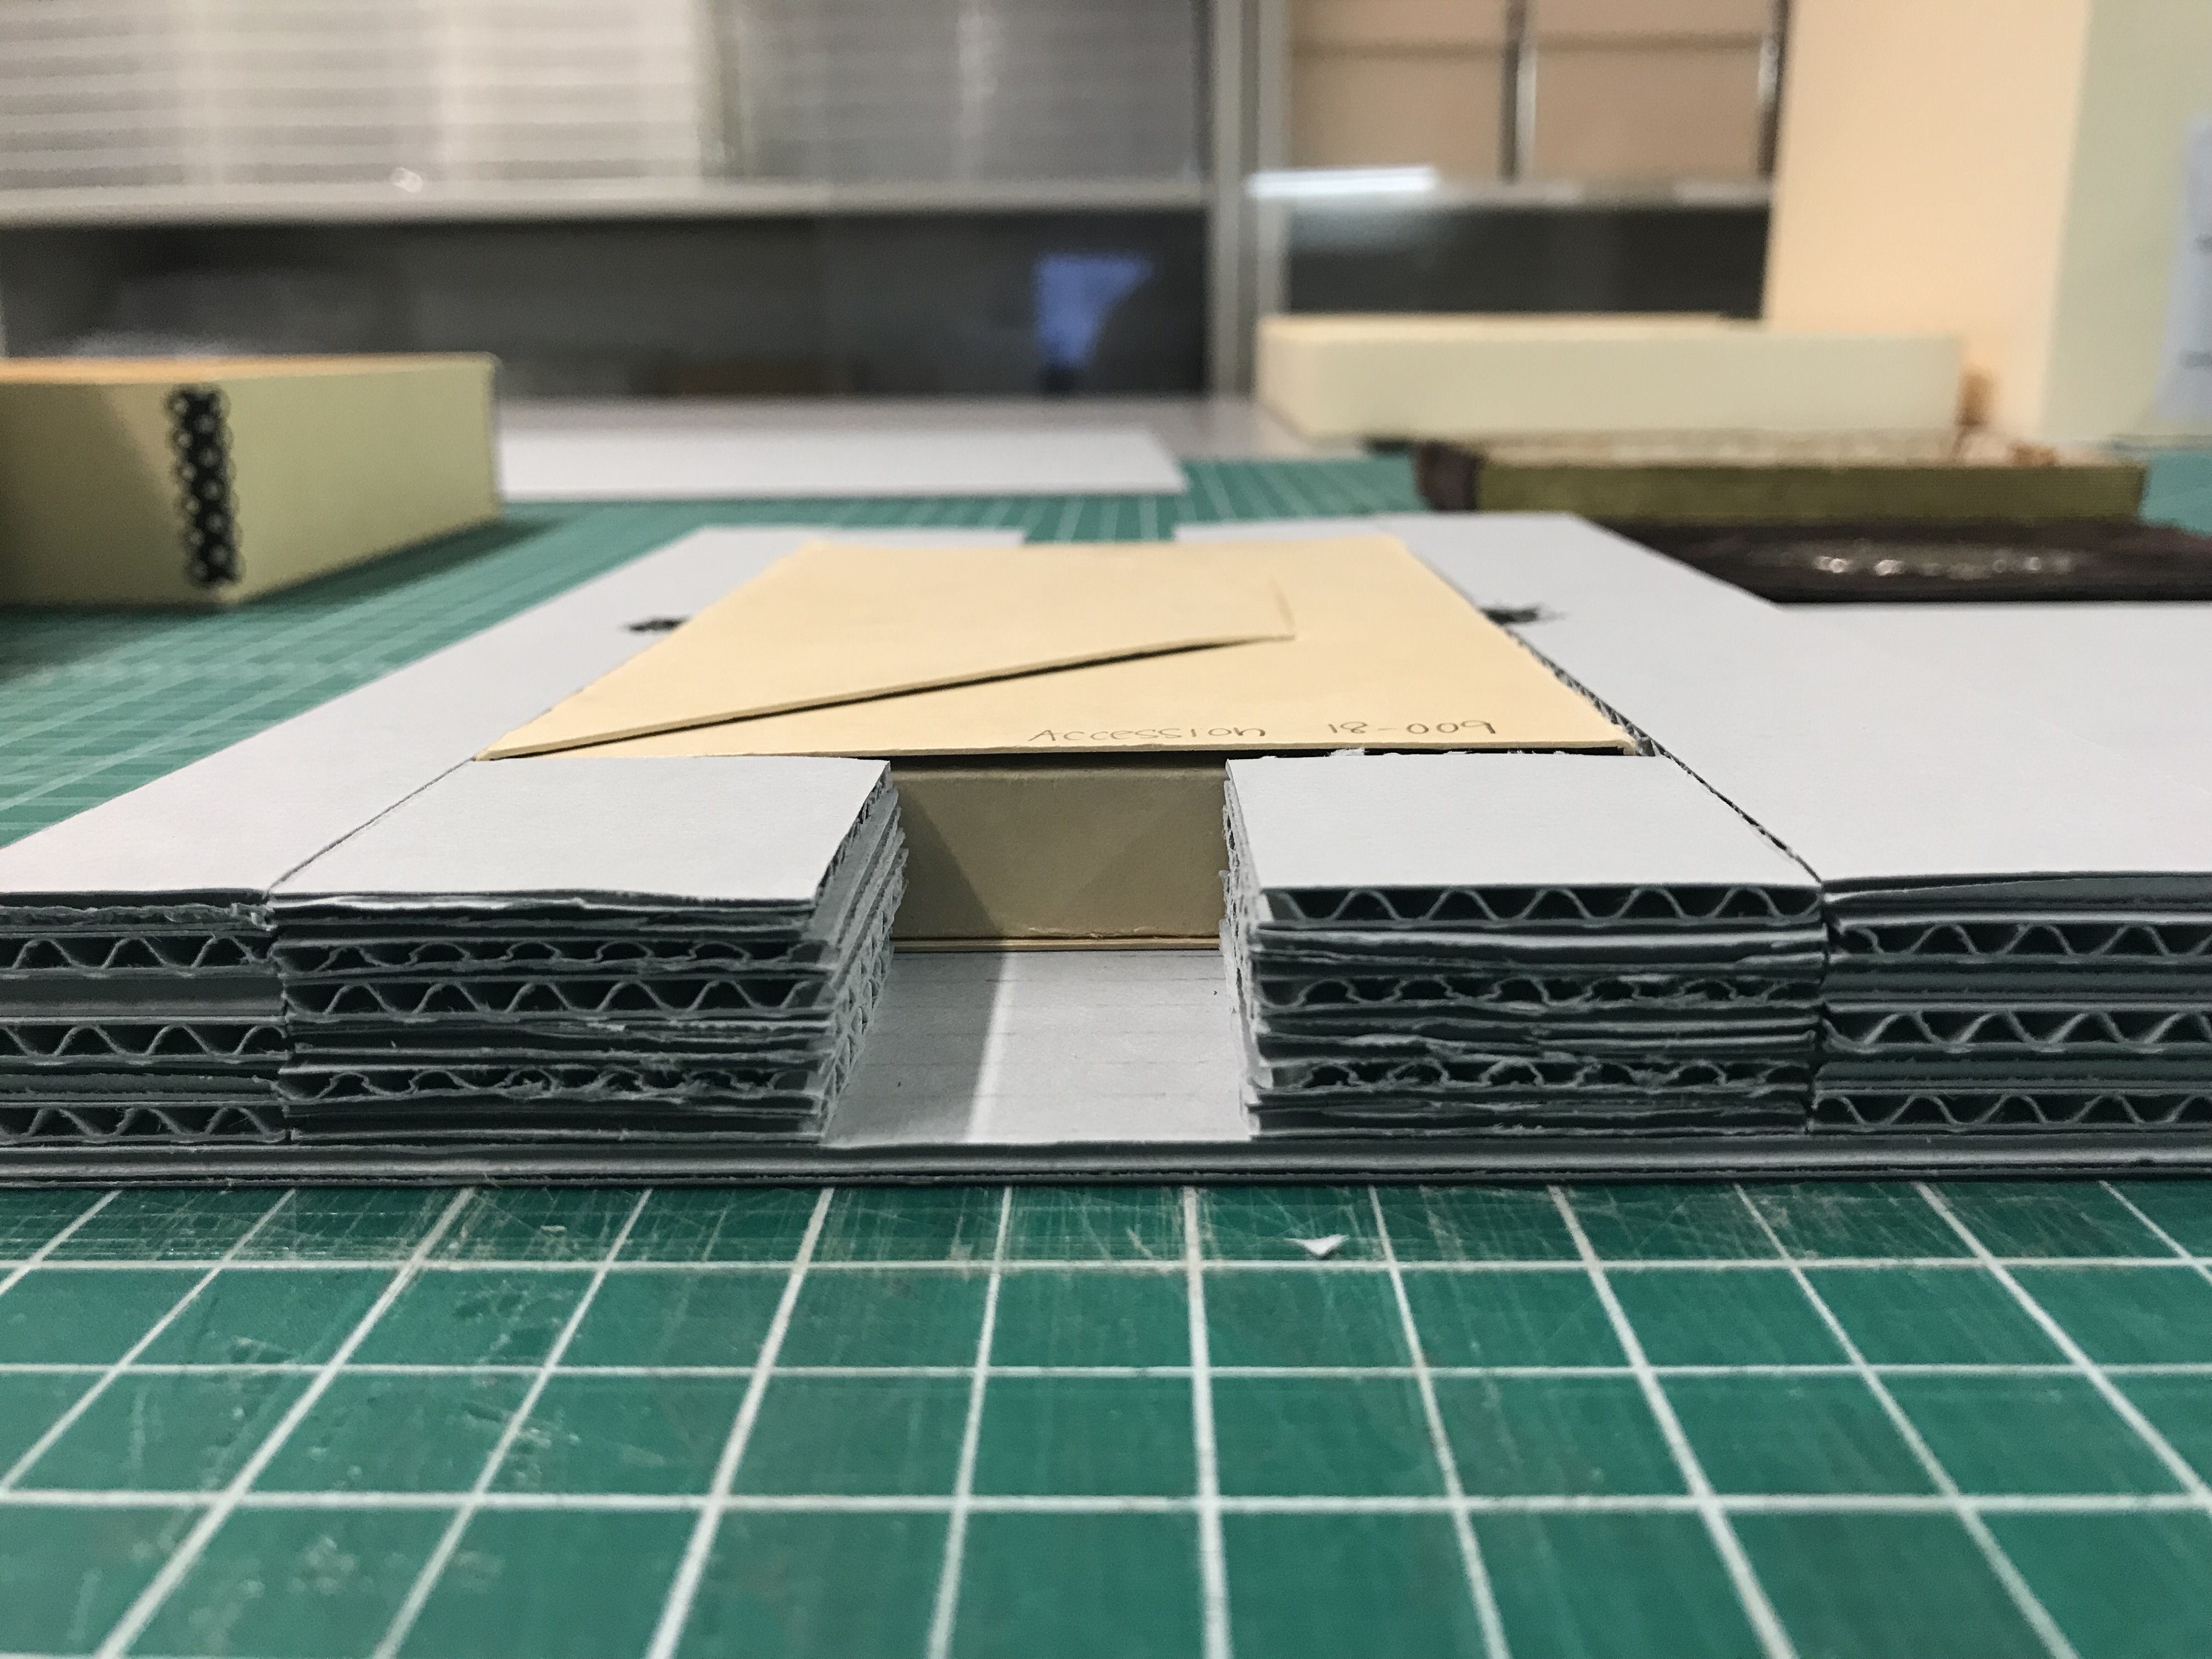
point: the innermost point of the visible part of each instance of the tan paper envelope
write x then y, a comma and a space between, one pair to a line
839, 625
1385, 655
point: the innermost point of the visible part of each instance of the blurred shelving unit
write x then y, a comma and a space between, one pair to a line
801, 196
1555, 154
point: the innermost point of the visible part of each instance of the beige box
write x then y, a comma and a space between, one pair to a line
1414, 376
1441, 109
2011, 173
1052, 796
207, 481
1665, 110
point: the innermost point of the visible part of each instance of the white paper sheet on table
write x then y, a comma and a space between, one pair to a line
676, 464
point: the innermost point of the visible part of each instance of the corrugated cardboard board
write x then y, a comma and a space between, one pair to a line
1095, 848
204, 483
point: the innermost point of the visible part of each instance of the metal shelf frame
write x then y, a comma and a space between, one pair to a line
730, 198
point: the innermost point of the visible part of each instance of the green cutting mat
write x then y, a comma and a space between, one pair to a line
1960, 1422
1614, 1423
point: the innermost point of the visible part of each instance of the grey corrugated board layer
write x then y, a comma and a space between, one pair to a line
242, 819
668, 465
1055, 1066
1509, 820
1530, 1158
1868, 771
710, 830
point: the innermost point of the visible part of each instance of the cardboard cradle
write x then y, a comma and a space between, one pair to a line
1053, 794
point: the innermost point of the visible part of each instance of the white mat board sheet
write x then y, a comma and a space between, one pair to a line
671, 465
997, 1050
574, 948
1494, 943
136, 991
2129, 676
752, 832
1509, 820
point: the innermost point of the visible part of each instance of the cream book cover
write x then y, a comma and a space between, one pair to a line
1446, 375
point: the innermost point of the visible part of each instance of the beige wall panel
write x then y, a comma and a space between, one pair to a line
1644, 20
2008, 170
1400, 23
1647, 112
1910, 194
1397, 109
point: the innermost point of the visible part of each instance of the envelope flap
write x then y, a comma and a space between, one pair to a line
836, 624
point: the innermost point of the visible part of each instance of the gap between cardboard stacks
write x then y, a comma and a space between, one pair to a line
1058, 720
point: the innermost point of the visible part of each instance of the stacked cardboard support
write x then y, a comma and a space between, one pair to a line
139, 1001
560, 948
2019, 920
1998, 1005
124, 1020
1428, 944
